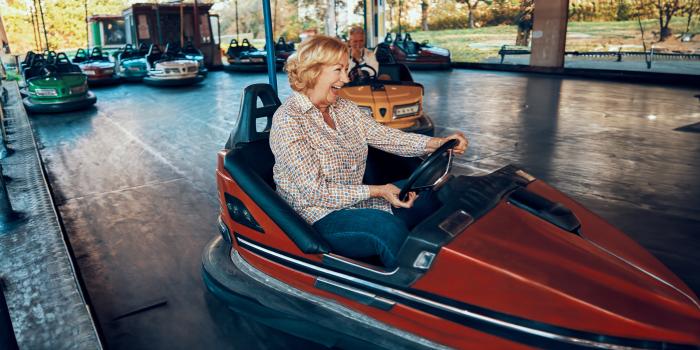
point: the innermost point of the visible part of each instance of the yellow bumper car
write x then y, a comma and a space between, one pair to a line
390, 96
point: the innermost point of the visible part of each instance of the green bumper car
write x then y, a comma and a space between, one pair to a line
132, 64
56, 87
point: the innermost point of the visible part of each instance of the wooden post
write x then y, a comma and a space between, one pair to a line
549, 33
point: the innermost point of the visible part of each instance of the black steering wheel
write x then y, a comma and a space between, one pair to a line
430, 171
360, 74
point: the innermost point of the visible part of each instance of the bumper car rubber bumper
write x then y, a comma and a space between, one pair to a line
254, 294
154, 81
133, 78
103, 81
60, 107
424, 126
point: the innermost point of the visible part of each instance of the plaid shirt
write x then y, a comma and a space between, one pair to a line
319, 170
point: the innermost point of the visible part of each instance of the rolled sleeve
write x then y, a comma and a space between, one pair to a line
389, 139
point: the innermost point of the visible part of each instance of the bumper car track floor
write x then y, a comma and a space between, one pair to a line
134, 182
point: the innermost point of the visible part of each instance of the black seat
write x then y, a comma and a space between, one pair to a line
143, 49
397, 71
96, 55
127, 52
189, 49
64, 65
388, 39
154, 54
172, 51
80, 56
28, 58
250, 161
234, 49
36, 66
383, 54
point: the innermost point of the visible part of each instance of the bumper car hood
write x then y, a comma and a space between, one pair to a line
516, 263
437, 51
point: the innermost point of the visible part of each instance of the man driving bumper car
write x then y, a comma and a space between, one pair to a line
387, 92
320, 142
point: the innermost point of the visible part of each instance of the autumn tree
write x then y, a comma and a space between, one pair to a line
692, 8
424, 7
525, 22
471, 6
664, 12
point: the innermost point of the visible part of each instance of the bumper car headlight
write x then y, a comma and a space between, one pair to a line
46, 92
366, 109
78, 89
406, 110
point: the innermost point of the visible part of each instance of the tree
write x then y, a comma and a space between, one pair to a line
665, 10
471, 6
691, 8
525, 22
424, 6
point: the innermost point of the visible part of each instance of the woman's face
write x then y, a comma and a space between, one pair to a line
329, 82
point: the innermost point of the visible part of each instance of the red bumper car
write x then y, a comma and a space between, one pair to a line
417, 56
507, 262
98, 68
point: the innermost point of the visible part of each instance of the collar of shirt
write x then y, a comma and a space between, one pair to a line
302, 106
303, 103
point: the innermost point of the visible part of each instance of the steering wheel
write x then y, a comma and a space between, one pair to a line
430, 171
360, 74
49, 70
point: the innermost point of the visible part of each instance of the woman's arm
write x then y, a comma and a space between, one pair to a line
297, 160
385, 138
435, 142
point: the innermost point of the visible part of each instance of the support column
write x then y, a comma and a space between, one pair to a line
549, 33
4, 42
375, 29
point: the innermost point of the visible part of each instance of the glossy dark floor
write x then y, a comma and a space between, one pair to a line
134, 181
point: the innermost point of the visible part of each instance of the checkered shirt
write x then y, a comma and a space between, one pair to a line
319, 170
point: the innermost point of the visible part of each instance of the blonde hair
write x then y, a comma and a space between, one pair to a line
356, 29
304, 66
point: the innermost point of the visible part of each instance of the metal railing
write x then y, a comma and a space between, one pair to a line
8, 216
648, 56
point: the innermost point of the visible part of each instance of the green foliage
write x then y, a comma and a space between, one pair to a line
447, 15
501, 12
64, 22
250, 19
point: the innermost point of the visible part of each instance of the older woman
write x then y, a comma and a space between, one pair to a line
320, 145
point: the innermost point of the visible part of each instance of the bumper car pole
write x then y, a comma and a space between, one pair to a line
270, 45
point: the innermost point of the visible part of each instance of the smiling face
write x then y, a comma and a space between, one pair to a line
329, 82
357, 41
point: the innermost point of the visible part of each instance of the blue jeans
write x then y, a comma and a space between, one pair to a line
362, 233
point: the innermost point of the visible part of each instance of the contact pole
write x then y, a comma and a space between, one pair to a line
43, 25
195, 23
31, 16
271, 59
160, 37
87, 27
37, 29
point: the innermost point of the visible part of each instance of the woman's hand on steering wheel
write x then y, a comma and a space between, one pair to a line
391, 193
435, 143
